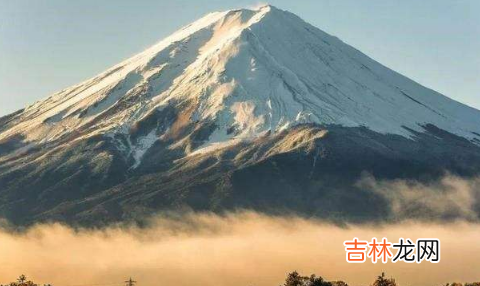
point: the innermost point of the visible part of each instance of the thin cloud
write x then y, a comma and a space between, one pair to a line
237, 249
451, 198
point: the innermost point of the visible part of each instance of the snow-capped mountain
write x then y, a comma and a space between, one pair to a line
197, 120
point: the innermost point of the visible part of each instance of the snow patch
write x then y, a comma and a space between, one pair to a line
141, 147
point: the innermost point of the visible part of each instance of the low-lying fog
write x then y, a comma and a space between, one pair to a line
241, 249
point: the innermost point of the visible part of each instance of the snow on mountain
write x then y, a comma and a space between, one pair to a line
249, 72
243, 109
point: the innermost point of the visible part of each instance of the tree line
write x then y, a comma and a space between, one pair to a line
23, 281
293, 279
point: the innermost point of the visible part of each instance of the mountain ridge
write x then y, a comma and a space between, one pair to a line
251, 94
128, 80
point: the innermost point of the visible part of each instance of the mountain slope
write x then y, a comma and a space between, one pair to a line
207, 115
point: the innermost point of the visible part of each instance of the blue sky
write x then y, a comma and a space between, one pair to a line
47, 45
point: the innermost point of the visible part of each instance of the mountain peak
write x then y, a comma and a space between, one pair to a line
257, 8
241, 108
267, 7
244, 73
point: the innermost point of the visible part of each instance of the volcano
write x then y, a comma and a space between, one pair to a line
243, 109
